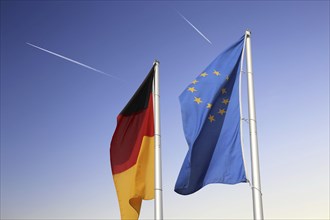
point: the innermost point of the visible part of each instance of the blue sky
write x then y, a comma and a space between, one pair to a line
57, 118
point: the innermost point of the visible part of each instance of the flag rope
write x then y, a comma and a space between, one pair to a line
247, 120
241, 111
253, 187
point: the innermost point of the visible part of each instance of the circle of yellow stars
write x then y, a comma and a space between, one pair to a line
198, 100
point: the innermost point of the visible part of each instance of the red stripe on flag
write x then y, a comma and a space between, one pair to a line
128, 136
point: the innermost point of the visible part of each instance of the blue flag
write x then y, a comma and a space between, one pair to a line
211, 122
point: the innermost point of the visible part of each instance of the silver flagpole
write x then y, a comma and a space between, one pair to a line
158, 161
256, 186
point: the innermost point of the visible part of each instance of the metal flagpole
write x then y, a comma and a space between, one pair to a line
158, 161
256, 186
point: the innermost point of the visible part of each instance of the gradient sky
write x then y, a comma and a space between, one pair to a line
57, 117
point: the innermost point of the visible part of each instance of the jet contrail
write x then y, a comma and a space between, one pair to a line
73, 61
193, 26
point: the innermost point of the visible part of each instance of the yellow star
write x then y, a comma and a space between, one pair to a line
223, 90
209, 105
198, 100
227, 78
222, 111
204, 74
225, 101
217, 73
211, 118
192, 89
194, 82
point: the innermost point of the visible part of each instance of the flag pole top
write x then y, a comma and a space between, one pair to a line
156, 62
248, 32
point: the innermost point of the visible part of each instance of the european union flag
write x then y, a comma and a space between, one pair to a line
211, 122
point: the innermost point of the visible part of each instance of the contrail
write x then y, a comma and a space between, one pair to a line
193, 27
73, 61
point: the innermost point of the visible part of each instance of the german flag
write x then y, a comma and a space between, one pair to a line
132, 151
